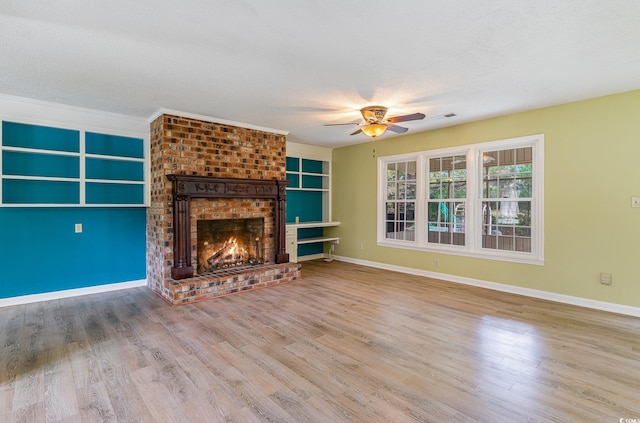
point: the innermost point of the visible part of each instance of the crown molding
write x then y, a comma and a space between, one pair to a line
63, 115
211, 119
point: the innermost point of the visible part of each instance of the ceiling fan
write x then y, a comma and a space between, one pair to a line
375, 123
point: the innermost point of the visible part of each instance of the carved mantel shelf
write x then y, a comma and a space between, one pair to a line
187, 187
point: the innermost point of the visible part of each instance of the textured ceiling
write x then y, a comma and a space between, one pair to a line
297, 65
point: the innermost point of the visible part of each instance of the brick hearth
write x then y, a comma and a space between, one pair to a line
185, 146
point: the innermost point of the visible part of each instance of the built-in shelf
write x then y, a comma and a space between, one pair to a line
306, 225
308, 171
293, 241
43, 166
316, 239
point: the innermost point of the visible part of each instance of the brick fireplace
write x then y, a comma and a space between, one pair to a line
201, 171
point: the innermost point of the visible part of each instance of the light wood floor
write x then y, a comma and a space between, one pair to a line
345, 344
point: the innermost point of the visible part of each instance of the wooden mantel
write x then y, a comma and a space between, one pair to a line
187, 187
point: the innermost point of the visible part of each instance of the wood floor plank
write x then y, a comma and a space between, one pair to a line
346, 343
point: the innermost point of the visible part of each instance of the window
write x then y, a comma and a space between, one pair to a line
482, 200
400, 200
446, 203
506, 199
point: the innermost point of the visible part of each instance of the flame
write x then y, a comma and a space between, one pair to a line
230, 254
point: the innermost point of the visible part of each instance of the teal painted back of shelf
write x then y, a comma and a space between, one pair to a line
41, 165
24, 135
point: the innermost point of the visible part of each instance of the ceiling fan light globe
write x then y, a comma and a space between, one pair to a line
374, 129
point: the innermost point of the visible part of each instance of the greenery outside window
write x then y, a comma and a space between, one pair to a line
481, 200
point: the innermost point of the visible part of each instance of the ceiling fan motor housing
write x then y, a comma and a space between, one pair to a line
374, 114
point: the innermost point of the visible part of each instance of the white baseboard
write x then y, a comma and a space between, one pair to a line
528, 292
55, 295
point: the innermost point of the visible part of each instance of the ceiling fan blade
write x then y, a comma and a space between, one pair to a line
340, 124
405, 118
356, 132
397, 129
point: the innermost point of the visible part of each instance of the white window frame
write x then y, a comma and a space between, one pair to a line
473, 221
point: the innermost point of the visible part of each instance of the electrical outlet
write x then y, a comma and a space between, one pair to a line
437, 263
635, 202
78, 228
606, 278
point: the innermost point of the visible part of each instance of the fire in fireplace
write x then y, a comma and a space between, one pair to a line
225, 243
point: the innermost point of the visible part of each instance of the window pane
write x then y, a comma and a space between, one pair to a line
411, 211
506, 225
460, 190
391, 211
402, 171
446, 222
439, 190
434, 165
433, 211
391, 191
391, 172
400, 207
411, 191
411, 171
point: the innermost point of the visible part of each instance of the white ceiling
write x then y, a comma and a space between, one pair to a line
299, 64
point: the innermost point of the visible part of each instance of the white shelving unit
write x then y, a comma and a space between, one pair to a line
312, 175
309, 173
47, 166
293, 241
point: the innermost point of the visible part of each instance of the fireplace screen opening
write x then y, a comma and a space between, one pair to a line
226, 243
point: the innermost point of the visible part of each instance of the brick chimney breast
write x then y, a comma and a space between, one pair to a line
191, 147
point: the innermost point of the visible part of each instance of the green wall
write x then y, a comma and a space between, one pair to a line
592, 169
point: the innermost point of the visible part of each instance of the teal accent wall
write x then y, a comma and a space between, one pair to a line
36, 164
40, 137
307, 205
312, 181
114, 169
113, 145
40, 251
311, 166
18, 191
293, 164
104, 193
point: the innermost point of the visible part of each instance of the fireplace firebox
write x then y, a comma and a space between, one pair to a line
227, 243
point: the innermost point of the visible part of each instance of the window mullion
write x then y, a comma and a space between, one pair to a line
472, 221
421, 193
